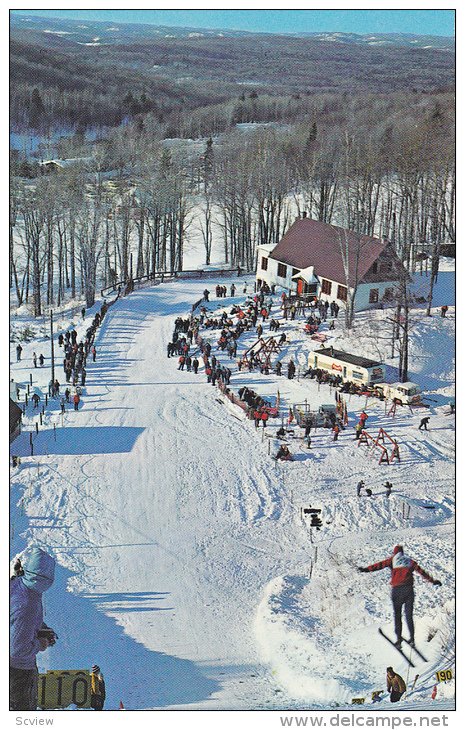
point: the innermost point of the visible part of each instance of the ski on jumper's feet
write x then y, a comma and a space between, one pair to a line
409, 661
413, 646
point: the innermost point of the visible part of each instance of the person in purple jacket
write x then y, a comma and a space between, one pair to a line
28, 633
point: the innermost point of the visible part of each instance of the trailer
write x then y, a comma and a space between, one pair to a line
351, 368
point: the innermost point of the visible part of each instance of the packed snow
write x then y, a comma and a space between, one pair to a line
181, 545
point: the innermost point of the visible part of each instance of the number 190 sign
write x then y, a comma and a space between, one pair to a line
444, 675
61, 688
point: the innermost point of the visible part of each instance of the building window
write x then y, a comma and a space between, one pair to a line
374, 296
388, 294
295, 271
342, 293
282, 270
326, 286
264, 263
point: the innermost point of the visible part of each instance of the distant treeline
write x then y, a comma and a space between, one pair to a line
215, 81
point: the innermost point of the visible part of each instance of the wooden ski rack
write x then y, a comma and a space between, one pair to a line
378, 442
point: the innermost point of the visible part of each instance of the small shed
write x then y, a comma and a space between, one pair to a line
350, 367
15, 420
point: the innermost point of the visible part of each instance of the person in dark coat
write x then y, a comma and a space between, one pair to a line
195, 365
291, 369
424, 423
283, 454
41, 360
402, 569
19, 350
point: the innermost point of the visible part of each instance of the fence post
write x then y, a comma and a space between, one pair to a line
30, 378
37, 426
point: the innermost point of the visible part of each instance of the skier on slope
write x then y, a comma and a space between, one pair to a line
402, 569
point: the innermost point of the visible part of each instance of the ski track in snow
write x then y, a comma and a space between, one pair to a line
180, 542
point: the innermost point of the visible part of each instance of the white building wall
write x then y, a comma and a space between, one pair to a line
362, 299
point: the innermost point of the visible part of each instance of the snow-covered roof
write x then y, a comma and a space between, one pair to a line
307, 275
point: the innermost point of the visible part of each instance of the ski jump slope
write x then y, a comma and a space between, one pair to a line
185, 569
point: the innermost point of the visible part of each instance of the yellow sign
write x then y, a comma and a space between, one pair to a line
62, 688
358, 701
444, 675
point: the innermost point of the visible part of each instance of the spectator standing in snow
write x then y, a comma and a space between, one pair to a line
34, 359
335, 432
424, 423
395, 684
97, 688
83, 313
195, 365
206, 294
291, 369
28, 633
19, 350
360, 486
94, 353
388, 488
76, 400
35, 400
62, 404
444, 310
402, 569
41, 360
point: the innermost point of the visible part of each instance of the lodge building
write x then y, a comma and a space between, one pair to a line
309, 260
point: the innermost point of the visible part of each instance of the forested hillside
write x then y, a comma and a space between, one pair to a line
97, 75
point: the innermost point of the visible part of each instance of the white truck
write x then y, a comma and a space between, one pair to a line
405, 393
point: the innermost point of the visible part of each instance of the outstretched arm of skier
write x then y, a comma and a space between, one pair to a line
376, 566
425, 575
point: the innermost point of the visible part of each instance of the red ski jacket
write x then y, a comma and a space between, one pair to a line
402, 569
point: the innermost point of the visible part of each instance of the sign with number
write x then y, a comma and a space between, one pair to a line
444, 675
61, 688
358, 700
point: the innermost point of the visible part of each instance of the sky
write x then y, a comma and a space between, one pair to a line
425, 22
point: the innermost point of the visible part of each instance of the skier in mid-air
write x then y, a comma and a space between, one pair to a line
402, 569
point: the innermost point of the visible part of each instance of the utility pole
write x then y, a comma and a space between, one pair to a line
52, 348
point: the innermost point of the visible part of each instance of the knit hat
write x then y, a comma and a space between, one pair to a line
398, 549
95, 669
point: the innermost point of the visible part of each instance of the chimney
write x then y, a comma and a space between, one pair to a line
304, 214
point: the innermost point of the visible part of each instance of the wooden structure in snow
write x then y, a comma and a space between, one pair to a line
379, 443
261, 353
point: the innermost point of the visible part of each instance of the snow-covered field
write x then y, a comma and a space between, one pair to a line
185, 569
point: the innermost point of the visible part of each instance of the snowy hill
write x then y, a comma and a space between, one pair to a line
180, 542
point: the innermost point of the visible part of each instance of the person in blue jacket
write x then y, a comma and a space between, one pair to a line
28, 633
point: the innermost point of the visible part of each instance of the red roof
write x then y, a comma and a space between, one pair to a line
310, 242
